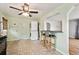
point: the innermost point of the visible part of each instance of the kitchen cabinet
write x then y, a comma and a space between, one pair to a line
53, 25
48, 39
3, 43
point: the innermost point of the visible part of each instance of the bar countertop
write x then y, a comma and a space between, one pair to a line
2, 37
51, 31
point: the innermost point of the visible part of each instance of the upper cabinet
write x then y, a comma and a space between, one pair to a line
53, 24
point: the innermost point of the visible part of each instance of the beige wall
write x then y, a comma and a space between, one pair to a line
18, 28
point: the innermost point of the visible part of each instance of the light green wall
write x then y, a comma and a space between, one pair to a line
21, 30
62, 41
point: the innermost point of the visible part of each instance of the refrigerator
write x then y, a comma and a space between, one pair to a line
34, 30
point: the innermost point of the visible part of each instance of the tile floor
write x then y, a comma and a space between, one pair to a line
28, 47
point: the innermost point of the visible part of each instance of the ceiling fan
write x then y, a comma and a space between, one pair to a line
25, 9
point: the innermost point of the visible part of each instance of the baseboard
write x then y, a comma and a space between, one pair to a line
61, 52
13, 39
71, 38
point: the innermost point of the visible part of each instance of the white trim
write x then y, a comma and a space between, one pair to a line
59, 51
68, 15
62, 52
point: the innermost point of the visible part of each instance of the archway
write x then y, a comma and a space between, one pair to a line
73, 17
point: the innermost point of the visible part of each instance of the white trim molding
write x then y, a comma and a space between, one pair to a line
62, 52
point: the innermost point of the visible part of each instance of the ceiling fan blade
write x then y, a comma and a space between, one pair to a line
20, 13
26, 4
33, 11
30, 15
15, 8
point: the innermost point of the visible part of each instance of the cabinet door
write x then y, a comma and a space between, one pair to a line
53, 25
56, 26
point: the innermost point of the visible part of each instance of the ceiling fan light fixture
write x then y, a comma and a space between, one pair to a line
25, 14
24, 10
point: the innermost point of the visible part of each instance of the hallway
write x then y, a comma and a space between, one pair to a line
74, 47
28, 47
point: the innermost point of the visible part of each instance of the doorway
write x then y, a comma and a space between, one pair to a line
34, 32
74, 31
3, 26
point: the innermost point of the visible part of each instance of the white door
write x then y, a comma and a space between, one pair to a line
34, 30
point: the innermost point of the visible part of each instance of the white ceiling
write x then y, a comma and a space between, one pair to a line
75, 13
43, 8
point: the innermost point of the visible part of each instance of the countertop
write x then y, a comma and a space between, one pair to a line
51, 31
1, 36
